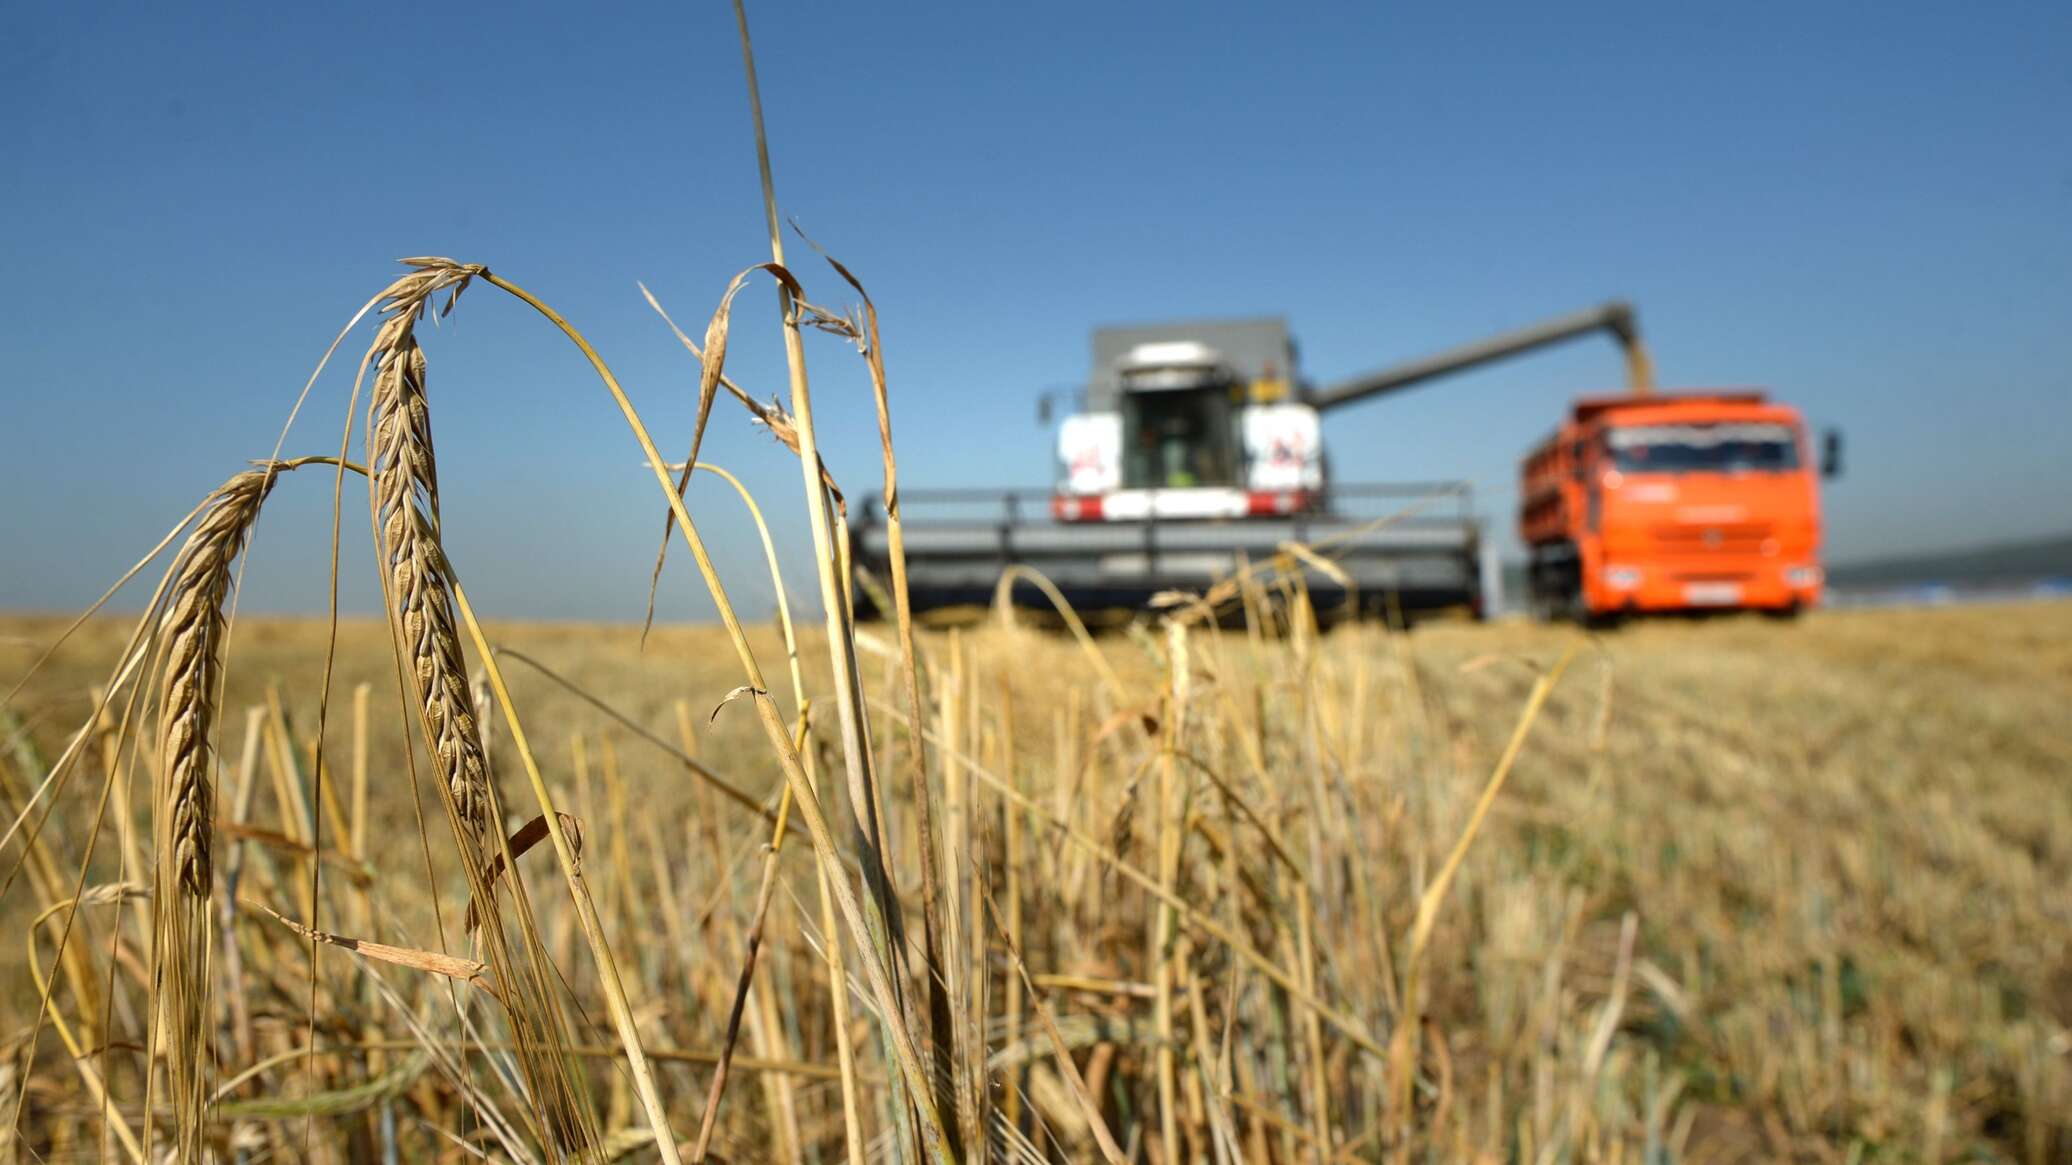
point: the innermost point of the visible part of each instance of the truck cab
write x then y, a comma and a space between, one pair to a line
1680, 502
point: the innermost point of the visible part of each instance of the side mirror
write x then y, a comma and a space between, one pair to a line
1831, 454
1043, 408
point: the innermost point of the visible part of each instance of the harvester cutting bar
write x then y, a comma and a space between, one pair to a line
1413, 547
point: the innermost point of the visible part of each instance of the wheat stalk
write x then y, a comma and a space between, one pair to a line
192, 632
403, 479
912, 1079
887, 928
423, 599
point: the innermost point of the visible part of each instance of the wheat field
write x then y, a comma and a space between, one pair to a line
1749, 892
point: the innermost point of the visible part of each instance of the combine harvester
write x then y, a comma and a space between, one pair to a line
1197, 447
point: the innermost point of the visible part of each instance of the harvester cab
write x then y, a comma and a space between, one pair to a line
1189, 421
1198, 448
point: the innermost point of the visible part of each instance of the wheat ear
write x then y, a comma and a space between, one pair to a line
192, 632
406, 486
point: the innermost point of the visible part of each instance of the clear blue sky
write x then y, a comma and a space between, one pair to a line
1868, 210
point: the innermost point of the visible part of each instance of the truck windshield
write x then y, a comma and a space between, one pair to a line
1726, 447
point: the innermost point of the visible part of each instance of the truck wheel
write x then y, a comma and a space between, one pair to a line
1548, 607
1577, 607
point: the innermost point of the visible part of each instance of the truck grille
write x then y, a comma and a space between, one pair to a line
1712, 538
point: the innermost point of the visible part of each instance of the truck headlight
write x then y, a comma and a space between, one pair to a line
1624, 578
1802, 576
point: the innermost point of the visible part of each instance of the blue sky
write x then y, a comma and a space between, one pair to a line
1868, 210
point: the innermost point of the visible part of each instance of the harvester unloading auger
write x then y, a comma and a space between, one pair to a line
1198, 446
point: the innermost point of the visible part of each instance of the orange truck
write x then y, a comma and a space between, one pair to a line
1685, 502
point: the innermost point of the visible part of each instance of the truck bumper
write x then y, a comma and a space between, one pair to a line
1766, 584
